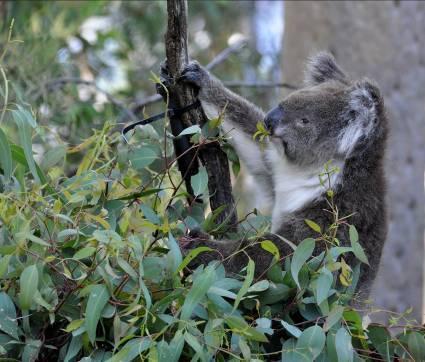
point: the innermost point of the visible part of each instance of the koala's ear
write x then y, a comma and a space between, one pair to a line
321, 68
364, 99
362, 114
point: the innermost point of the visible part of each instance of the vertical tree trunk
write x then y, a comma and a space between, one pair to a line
181, 95
3, 13
383, 40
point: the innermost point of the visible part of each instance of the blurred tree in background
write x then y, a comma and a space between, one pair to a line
385, 41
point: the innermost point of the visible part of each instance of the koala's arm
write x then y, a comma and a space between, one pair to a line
239, 114
240, 118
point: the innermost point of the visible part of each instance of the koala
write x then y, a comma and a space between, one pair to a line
331, 118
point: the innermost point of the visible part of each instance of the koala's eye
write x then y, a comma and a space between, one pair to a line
303, 121
352, 113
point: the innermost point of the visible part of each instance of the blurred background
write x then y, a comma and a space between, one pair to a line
82, 63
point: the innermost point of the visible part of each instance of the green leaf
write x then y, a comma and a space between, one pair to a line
53, 157
357, 248
193, 342
4, 265
142, 157
199, 181
84, 252
312, 340
31, 349
313, 226
75, 324
276, 292
99, 296
29, 285
74, 347
25, 123
359, 252
192, 255
260, 286
149, 214
176, 346
323, 285
290, 352
301, 255
344, 348
107, 236
246, 283
198, 291
18, 155
381, 340
190, 130
354, 235
8, 323
416, 346
33, 238
269, 246
5, 156
240, 326
131, 350
164, 351
295, 331
334, 317
174, 256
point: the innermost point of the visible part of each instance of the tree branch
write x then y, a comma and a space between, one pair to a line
180, 95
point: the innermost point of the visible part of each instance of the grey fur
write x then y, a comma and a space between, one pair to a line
331, 118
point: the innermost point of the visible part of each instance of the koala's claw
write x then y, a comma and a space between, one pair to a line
192, 73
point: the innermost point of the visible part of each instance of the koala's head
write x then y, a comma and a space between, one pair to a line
332, 117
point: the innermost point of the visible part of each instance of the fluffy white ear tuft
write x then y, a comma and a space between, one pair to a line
321, 68
361, 115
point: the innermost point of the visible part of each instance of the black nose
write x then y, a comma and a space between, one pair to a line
273, 118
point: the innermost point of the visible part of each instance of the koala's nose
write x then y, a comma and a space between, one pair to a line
273, 118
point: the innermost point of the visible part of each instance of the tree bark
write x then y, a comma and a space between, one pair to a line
382, 40
181, 95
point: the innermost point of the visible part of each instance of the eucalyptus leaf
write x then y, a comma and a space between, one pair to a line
99, 296
8, 322
198, 291
199, 182
29, 285
5, 156
142, 157
312, 340
246, 283
302, 253
344, 348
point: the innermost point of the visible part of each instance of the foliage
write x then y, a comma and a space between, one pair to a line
90, 266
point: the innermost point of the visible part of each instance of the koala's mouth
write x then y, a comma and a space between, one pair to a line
279, 142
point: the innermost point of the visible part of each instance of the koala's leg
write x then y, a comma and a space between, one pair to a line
235, 253
240, 118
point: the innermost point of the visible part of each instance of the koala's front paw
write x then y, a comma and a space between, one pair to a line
193, 73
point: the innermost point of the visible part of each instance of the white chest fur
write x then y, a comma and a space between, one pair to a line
294, 187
